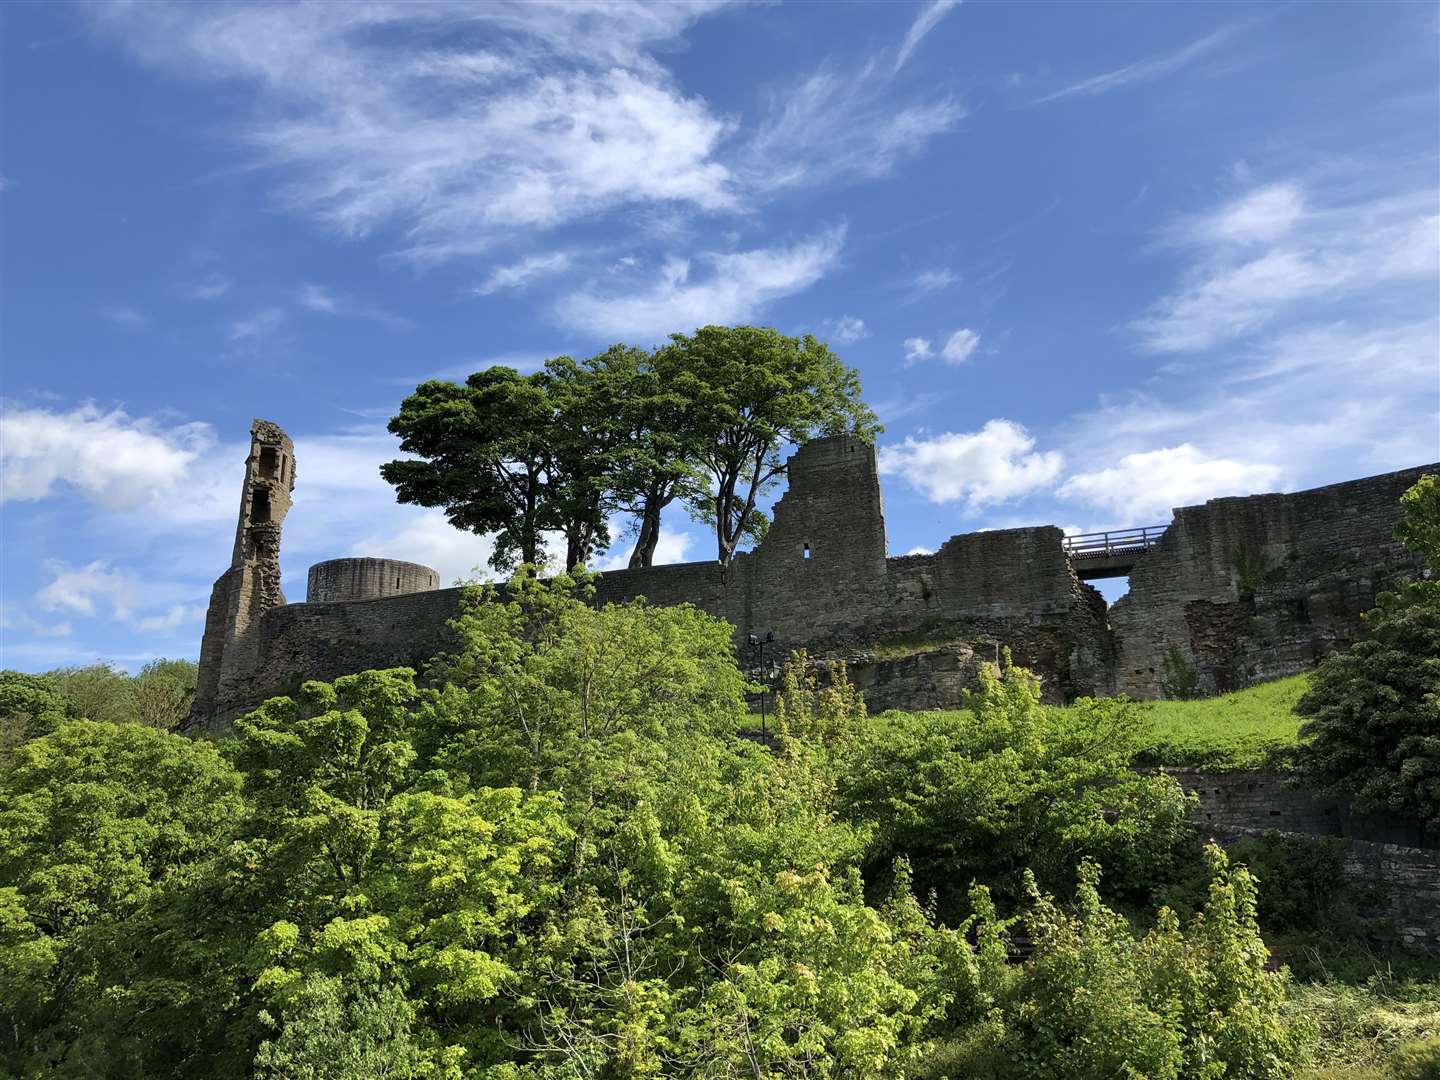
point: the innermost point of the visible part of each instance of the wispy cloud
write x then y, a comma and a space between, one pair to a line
259, 325
210, 287
1156, 67
929, 17
736, 289
520, 274
1271, 252
847, 329
932, 281
528, 116
326, 301
124, 315
841, 126
917, 349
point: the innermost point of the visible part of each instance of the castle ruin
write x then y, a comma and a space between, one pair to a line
1239, 590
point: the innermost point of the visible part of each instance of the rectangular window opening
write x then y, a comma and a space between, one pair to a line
805, 554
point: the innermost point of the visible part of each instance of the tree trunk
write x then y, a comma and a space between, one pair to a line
644, 553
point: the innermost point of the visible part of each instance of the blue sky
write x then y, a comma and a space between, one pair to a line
1093, 261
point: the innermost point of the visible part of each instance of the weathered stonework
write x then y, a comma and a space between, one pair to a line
821, 580
1394, 853
1249, 589
251, 587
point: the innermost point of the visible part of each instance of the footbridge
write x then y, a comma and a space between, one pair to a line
1110, 554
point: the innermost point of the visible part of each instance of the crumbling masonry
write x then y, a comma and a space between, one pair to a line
1238, 590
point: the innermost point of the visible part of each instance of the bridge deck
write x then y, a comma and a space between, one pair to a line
1110, 554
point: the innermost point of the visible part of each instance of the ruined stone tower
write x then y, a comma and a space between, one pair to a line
251, 586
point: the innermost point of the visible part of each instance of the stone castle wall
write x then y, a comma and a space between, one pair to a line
1392, 852
821, 580
1248, 589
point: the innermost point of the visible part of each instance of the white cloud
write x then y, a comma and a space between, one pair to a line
210, 287
78, 589
1148, 485
124, 315
520, 274
1259, 216
1155, 67
841, 126
738, 287
452, 124
671, 547
958, 348
926, 21
113, 460
174, 617
917, 349
326, 301
847, 329
1269, 254
960, 345
920, 551
317, 298
992, 465
262, 324
932, 281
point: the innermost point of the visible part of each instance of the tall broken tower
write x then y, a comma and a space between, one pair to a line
251, 586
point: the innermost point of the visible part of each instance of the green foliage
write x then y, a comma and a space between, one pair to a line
557, 860
95, 820
752, 390
1419, 525
30, 706
702, 419
1372, 714
1093, 1000
1008, 785
502, 454
33, 705
1179, 681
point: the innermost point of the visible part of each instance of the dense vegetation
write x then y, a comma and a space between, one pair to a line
552, 856
556, 860
701, 420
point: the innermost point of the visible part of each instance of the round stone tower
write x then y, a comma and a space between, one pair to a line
367, 579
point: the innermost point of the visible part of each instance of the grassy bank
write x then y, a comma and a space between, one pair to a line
1242, 730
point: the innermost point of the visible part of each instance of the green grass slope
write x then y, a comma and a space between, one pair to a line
1243, 730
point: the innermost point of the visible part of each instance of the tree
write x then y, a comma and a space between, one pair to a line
500, 456
752, 390
650, 439
96, 820
1372, 713
163, 691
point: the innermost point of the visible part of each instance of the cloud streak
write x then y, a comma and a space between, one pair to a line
926, 21
1156, 67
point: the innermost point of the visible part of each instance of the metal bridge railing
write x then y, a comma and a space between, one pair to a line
1116, 542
